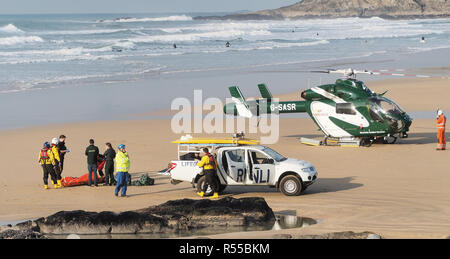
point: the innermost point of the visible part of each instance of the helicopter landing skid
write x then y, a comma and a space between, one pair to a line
349, 142
343, 142
330, 141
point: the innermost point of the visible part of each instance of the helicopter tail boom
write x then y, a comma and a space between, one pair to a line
241, 107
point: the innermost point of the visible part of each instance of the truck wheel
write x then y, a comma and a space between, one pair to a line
222, 188
291, 185
200, 183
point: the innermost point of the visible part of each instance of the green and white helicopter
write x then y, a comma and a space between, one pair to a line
344, 111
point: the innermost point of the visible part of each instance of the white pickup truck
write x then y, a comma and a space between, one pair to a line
246, 165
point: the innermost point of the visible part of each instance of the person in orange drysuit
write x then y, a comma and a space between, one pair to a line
440, 121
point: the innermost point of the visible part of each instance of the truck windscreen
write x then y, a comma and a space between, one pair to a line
273, 154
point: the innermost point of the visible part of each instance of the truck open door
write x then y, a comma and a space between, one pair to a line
262, 168
236, 166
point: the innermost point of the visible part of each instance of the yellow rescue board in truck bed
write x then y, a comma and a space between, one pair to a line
217, 141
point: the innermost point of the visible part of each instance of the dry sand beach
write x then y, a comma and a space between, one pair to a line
397, 191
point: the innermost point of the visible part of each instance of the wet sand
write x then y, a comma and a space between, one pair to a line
397, 191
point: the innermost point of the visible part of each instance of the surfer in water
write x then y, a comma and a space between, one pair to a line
227, 44
174, 46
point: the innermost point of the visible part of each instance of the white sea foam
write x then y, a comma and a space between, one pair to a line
172, 18
83, 45
186, 37
20, 40
423, 49
62, 59
10, 28
124, 44
57, 55
43, 83
171, 30
82, 32
55, 52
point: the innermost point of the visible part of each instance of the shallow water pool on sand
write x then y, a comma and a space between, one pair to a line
284, 220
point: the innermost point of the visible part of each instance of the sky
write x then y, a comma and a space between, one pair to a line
136, 6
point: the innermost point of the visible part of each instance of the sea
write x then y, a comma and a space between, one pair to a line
111, 66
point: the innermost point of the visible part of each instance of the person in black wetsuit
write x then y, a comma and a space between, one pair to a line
63, 150
109, 155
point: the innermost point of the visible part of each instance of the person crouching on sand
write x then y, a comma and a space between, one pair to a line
122, 167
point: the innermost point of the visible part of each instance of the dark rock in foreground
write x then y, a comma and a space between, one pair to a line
170, 217
342, 235
21, 234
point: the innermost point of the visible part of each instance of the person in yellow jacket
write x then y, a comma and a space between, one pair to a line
209, 165
48, 164
122, 169
56, 152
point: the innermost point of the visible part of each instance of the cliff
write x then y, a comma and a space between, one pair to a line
394, 9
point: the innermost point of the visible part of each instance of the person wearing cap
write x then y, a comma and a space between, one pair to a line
63, 150
48, 164
441, 121
92, 153
122, 169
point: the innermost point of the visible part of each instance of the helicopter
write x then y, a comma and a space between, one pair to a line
345, 110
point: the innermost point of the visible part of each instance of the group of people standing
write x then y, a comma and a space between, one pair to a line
51, 160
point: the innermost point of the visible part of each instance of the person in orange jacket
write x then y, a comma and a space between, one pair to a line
440, 121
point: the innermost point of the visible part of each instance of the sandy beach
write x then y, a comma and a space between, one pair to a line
397, 191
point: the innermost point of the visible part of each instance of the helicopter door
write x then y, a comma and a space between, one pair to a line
342, 111
322, 113
237, 167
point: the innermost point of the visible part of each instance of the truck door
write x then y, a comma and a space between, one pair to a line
262, 168
237, 168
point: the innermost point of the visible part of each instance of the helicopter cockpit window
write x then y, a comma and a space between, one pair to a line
345, 108
374, 114
366, 89
387, 106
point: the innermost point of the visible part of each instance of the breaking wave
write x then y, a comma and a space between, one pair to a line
10, 28
173, 18
20, 40
186, 37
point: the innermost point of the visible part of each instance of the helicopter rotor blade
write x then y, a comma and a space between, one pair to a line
319, 71
349, 72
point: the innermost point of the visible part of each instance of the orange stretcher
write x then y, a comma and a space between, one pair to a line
84, 179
